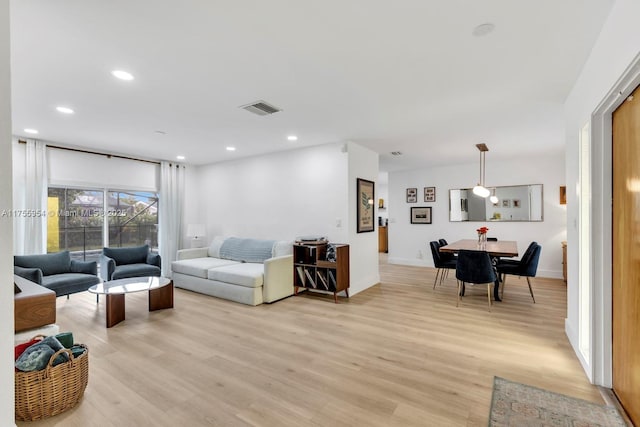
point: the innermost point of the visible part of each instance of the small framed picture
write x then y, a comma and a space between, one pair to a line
516, 203
429, 194
506, 203
421, 215
412, 195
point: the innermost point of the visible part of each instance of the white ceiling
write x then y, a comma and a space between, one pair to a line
403, 75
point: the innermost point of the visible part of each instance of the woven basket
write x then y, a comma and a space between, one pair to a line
55, 389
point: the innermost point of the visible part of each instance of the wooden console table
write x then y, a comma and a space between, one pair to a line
34, 306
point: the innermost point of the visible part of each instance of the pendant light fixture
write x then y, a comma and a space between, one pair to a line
493, 198
480, 189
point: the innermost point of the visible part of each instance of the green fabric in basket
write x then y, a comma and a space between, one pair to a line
66, 339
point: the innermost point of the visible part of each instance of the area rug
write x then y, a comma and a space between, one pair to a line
515, 404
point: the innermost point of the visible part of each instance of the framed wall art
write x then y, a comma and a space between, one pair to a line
429, 194
506, 203
516, 203
412, 195
421, 215
365, 191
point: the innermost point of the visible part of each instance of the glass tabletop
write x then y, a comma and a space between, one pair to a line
129, 285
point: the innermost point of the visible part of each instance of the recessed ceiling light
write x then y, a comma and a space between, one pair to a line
483, 29
31, 131
231, 148
292, 138
65, 110
122, 75
180, 157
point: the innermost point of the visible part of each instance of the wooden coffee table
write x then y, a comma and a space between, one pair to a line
160, 294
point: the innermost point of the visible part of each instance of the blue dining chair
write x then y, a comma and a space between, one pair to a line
526, 267
475, 268
441, 262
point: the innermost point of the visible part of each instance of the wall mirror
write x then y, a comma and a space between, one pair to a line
514, 203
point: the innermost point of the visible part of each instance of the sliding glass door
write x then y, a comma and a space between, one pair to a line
133, 219
83, 221
75, 222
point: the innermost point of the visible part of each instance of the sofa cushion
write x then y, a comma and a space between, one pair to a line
282, 248
199, 266
247, 250
250, 275
134, 255
55, 263
69, 282
135, 270
214, 247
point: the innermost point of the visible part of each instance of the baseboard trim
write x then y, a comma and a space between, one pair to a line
610, 399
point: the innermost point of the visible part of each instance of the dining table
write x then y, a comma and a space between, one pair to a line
495, 249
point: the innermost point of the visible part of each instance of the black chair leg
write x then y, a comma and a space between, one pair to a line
97, 298
67, 296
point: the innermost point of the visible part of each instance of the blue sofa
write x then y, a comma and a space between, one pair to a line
120, 263
57, 271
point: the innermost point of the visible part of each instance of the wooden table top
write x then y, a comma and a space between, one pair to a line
506, 248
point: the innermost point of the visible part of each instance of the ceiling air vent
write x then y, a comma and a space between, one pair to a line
396, 153
260, 108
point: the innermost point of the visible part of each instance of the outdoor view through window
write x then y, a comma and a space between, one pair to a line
83, 222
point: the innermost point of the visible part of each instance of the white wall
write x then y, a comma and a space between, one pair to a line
6, 228
382, 192
613, 52
275, 196
409, 243
283, 196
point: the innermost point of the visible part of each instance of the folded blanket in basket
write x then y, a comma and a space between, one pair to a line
36, 357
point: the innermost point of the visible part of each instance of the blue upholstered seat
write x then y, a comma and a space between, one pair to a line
120, 263
57, 271
442, 261
527, 266
475, 268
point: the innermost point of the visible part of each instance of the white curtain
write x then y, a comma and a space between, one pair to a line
170, 213
30, 219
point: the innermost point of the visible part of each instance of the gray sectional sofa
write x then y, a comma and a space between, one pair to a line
248, 271
57, 271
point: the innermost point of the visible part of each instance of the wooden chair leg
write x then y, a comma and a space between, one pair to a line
489, 295
504, 282
435, 282
458, 300
531, 290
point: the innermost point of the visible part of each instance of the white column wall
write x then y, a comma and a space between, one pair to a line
614, 51
363, 250
6, 227
409, 243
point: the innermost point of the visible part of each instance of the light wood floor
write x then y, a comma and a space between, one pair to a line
398, 354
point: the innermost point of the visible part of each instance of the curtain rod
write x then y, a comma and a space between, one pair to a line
96, 152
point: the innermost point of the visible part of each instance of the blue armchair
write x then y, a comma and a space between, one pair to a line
57, 271
120, 263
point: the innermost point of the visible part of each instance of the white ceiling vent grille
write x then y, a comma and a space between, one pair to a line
261, 108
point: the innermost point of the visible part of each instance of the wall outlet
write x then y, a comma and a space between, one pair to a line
338, 223
419, 256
